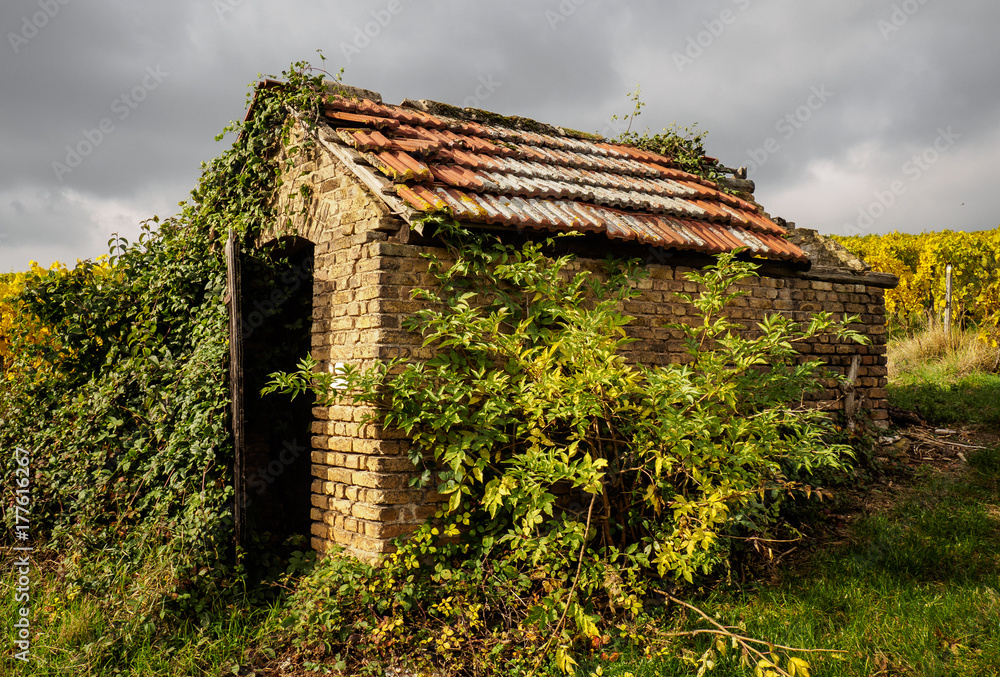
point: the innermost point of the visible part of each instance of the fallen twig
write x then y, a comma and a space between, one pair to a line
725, 631
744, 641
930, 439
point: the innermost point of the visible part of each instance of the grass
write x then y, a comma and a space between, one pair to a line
912, 591
946, 379
122, 632
934, 350
949, 400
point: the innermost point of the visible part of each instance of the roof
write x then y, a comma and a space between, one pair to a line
423, 157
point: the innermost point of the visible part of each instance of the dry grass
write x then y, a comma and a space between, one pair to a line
959, 353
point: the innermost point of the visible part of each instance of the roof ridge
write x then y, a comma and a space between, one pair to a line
333, 87
482, 116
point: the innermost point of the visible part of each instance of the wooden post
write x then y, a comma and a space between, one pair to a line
852, 399
947, 300
234, 297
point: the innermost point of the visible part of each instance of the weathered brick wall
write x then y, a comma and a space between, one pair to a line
364, 274
795, 297
361, 495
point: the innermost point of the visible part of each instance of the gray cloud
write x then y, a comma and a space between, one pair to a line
897, 70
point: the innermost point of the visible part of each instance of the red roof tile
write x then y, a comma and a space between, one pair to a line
493, 174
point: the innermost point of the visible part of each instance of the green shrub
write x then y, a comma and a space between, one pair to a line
571, 475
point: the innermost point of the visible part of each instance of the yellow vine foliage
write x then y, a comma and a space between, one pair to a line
920, 262
14, 316
15, 319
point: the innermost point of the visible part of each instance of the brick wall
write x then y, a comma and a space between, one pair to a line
360, 491
795, 297
365, 268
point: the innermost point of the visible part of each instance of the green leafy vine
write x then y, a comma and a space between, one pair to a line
126, 410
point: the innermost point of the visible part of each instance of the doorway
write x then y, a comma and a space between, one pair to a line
273, 468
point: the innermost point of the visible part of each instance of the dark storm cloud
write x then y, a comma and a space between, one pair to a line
897, 72
827, 102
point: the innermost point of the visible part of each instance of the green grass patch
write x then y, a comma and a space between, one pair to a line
76, 632
946, 378
911, 591
934, 394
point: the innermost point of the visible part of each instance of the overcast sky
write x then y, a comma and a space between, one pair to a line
852, 116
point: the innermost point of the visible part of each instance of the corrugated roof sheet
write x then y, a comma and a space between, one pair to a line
493, 174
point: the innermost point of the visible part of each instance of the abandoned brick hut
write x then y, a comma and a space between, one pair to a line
372, 170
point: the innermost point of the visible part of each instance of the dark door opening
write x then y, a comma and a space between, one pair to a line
276, 332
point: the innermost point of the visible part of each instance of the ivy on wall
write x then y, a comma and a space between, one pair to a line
126, 408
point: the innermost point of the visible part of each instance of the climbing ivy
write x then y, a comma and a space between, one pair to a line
128, 421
